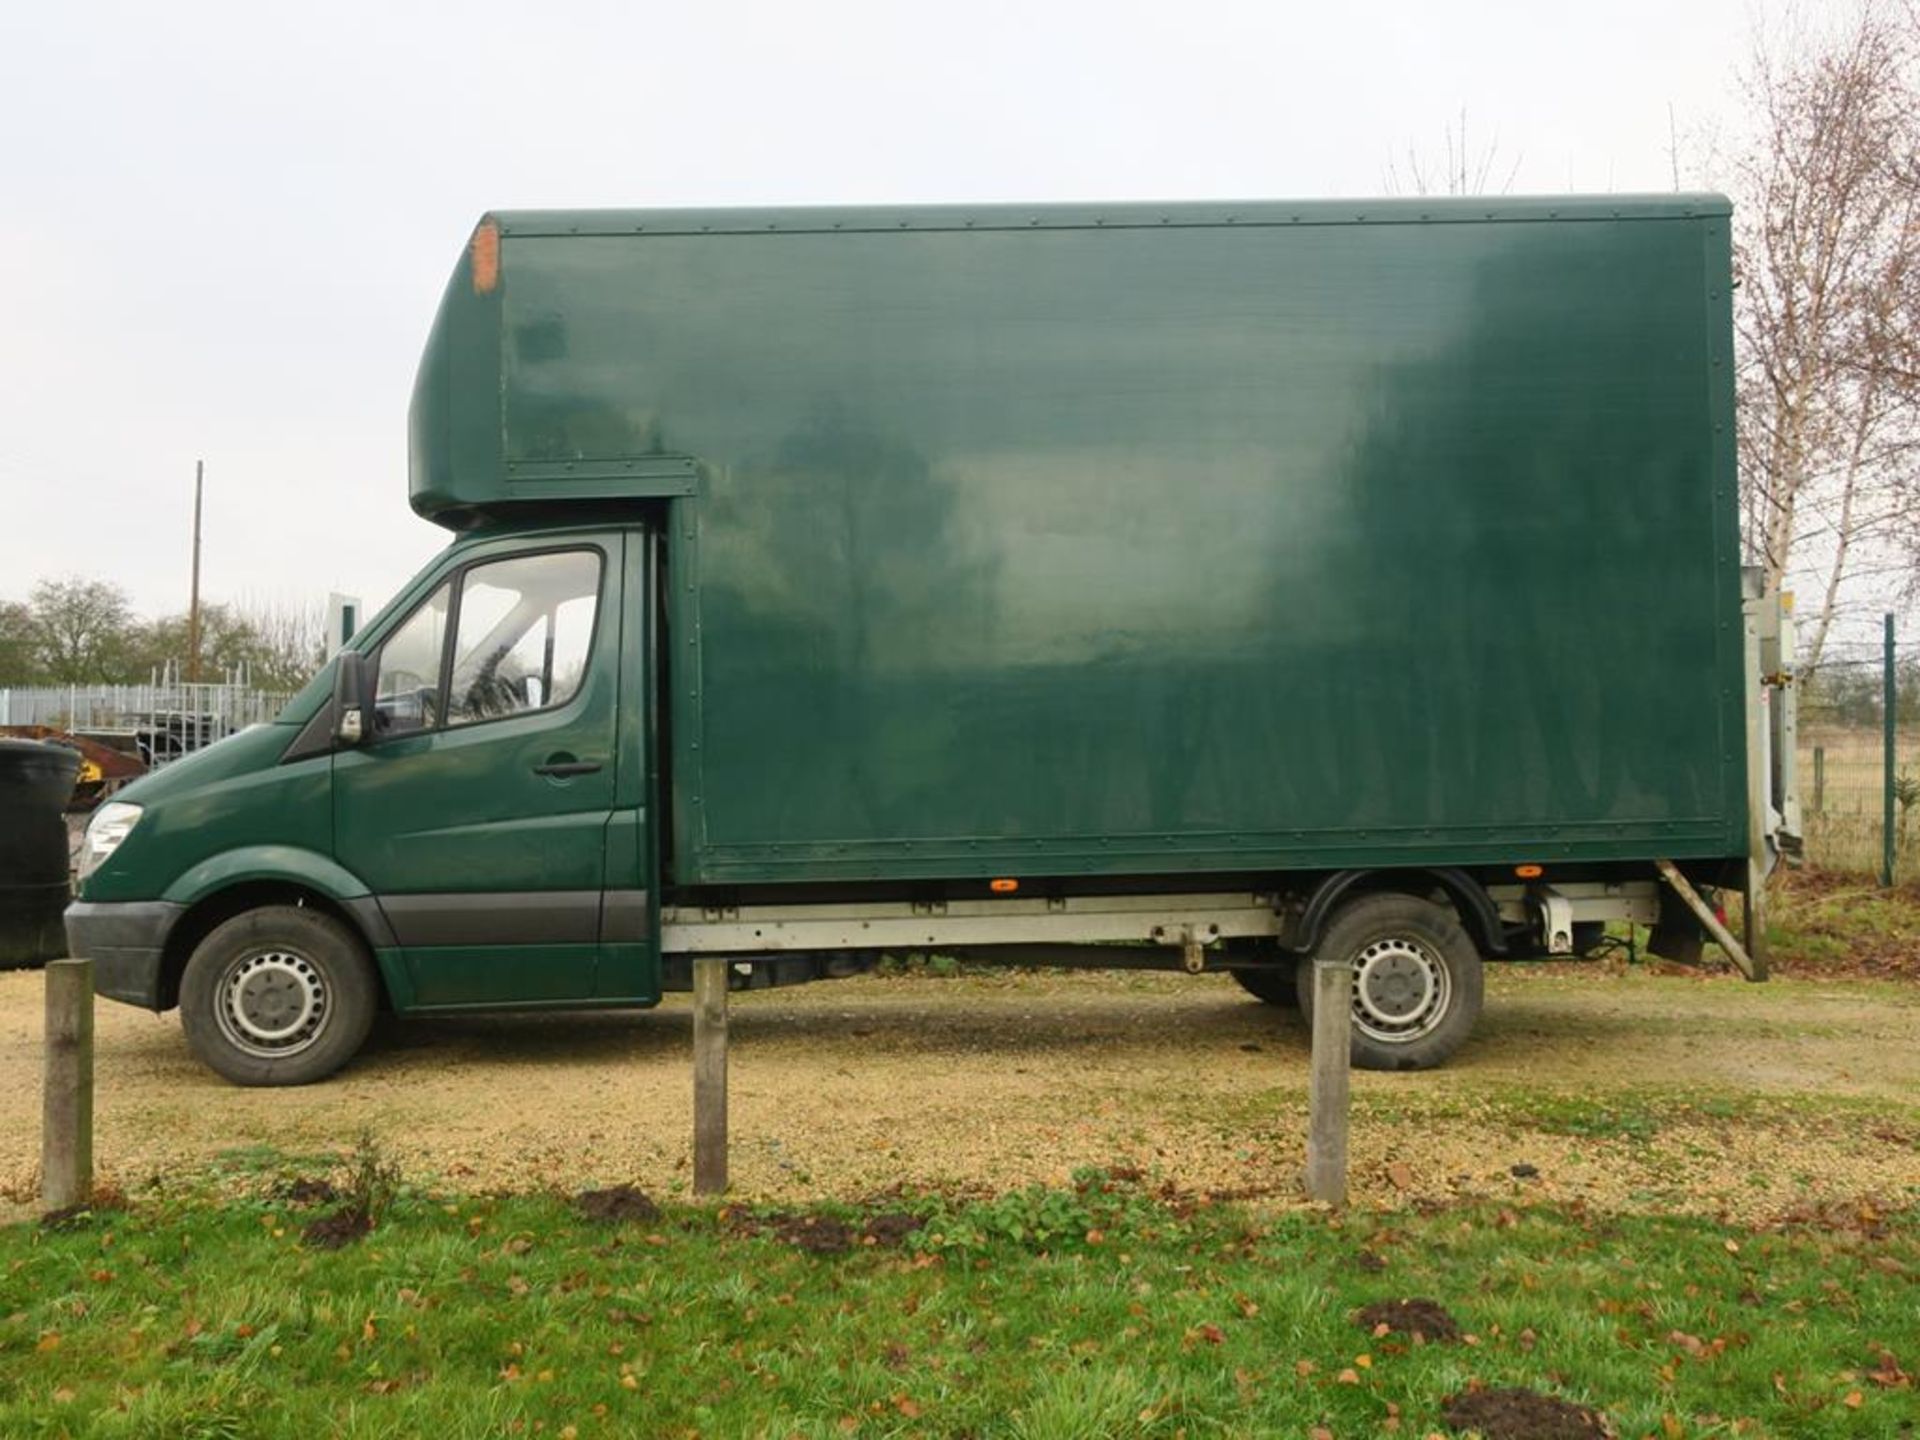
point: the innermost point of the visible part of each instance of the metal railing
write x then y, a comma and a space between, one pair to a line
163, 721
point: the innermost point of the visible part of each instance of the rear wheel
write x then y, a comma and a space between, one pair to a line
1417, 983
282, 995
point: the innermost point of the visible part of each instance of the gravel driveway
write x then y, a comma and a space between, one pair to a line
1633, 1091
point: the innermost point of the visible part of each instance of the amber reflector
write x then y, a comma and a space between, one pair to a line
1003, 887
486, 258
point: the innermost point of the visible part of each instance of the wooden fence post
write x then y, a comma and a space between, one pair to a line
1328, 1082
66, 1136
709, 1074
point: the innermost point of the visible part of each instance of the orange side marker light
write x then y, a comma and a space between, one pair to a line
486, 258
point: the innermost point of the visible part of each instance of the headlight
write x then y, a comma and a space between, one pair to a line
109, 826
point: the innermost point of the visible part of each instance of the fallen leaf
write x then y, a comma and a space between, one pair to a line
1854, 1400
1348, 1377
1400, 1175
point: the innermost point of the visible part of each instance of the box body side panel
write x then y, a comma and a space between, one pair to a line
1090, 551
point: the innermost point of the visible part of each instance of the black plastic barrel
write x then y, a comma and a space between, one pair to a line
35, 781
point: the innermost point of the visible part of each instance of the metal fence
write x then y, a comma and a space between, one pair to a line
162, 722
1859, 760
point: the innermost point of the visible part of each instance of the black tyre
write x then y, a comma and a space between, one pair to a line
1273, 981
1417, 982
281, 995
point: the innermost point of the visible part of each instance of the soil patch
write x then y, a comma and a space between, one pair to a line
618, 1204
76, 1217
892, 1228
1520, 1414
829, 1234
1424, 1320
338, 1230
306, 1191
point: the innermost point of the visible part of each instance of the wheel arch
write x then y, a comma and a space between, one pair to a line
237, 881
1478, 914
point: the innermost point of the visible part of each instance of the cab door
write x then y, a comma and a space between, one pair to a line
478, 810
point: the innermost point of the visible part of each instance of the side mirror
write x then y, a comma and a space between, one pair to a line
352, 697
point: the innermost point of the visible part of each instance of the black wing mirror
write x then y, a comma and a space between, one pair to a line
353, 698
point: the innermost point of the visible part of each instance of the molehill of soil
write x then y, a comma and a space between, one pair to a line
338, 1230
307, 1191
1423, 1320
819, 1234
1520, 1414
618, 1204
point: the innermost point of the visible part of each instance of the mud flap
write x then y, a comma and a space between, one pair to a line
1678, 935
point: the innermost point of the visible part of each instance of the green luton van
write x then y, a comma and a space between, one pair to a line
1216, 586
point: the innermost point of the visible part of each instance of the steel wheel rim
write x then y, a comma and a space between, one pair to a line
1402, 990
271, 1004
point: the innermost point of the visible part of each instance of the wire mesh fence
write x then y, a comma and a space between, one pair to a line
1843, 771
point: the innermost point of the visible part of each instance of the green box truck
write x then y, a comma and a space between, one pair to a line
1214, 586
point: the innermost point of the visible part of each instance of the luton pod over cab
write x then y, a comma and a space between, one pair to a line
1210, 585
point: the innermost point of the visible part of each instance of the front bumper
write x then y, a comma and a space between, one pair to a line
126, 942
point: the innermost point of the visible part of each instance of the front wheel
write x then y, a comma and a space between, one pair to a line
1417, 982
281, 995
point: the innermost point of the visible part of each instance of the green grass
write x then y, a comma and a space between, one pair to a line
1096, 1311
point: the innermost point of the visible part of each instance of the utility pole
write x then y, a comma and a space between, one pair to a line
193, 602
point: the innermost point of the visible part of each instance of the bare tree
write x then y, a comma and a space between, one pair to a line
1827, 229
270, 645
290, 641
1459, 168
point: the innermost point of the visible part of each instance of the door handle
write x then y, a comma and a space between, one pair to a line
562, 768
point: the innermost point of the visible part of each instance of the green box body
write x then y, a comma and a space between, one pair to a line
1126, 540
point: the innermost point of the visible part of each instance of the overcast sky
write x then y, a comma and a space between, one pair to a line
224, 228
